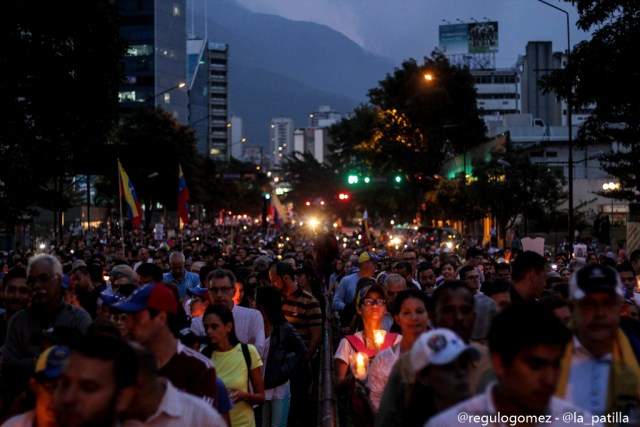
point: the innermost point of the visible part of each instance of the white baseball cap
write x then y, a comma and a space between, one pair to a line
438, 346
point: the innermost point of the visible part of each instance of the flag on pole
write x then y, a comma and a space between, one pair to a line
365, 227
279, 213
183, 197
129, 194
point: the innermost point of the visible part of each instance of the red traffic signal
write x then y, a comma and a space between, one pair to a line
343, 196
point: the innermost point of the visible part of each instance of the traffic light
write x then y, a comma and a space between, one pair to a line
352, 179
367, 180
398, 179
267, 196
343, 196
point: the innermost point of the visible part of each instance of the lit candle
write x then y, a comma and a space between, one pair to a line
361, 369
378, 337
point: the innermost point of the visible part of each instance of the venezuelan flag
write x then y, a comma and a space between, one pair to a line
279, 213
183, 197
129, 194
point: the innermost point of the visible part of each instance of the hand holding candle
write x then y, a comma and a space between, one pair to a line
359, 365
378, 337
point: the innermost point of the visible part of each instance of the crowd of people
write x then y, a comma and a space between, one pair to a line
226, 329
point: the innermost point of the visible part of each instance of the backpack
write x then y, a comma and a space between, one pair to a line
208, 351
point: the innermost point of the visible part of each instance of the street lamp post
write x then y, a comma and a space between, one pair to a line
569, 123
178, 86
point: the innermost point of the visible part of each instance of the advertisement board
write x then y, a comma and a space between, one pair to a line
469, 38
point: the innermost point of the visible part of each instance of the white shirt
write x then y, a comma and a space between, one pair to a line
379, 371
588, 383
178, 409
481, 410
247, 322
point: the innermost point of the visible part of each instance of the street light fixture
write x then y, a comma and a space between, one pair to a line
178, 86
611, 187
569, 123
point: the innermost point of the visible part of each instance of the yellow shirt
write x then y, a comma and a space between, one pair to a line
232, 370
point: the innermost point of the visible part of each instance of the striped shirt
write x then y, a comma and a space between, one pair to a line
302, 310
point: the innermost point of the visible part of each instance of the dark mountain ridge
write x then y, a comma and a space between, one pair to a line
279, 67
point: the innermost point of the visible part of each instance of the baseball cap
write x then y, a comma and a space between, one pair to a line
595, 278
123, 270
368, 256
155, 296
50, 362
77, 264
109, 298
198, 291
438, 346
362, 294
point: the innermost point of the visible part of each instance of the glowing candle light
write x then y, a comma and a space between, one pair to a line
378, 337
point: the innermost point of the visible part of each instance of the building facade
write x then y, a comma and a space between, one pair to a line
156, 62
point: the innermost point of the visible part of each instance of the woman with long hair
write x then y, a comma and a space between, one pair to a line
237, 364
283, 351
409, 312
371, 306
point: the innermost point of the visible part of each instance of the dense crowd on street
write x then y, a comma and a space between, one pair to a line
224, 326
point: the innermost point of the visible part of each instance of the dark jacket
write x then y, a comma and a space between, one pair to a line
286, 351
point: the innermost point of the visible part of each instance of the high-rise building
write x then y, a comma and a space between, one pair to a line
236, 137
219, 141
198, 71
156, 62
281, 137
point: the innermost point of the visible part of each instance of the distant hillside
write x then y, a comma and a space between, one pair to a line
280, 67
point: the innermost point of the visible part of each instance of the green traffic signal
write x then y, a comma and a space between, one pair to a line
352, 179
398, 179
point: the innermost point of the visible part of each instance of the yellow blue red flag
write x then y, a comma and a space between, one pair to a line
279, 213
129, 194
183, 197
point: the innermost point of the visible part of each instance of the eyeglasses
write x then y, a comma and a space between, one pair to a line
40, 278
368, 302
221, 290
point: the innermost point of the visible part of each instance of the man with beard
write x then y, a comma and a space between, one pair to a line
97, 383
47, 309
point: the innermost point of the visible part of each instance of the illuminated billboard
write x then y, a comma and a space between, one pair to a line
474, 37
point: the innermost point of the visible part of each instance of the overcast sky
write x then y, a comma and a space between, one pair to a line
401, 29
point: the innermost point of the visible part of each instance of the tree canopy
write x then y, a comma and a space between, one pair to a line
409, 128
58, 96
601, 72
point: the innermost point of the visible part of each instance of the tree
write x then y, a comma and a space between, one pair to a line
310, 180
512, 187
600, 73
410, 127
58, 95
151, 144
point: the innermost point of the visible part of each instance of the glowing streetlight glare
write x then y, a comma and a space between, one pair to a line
428, 77
313, 222
611, 186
